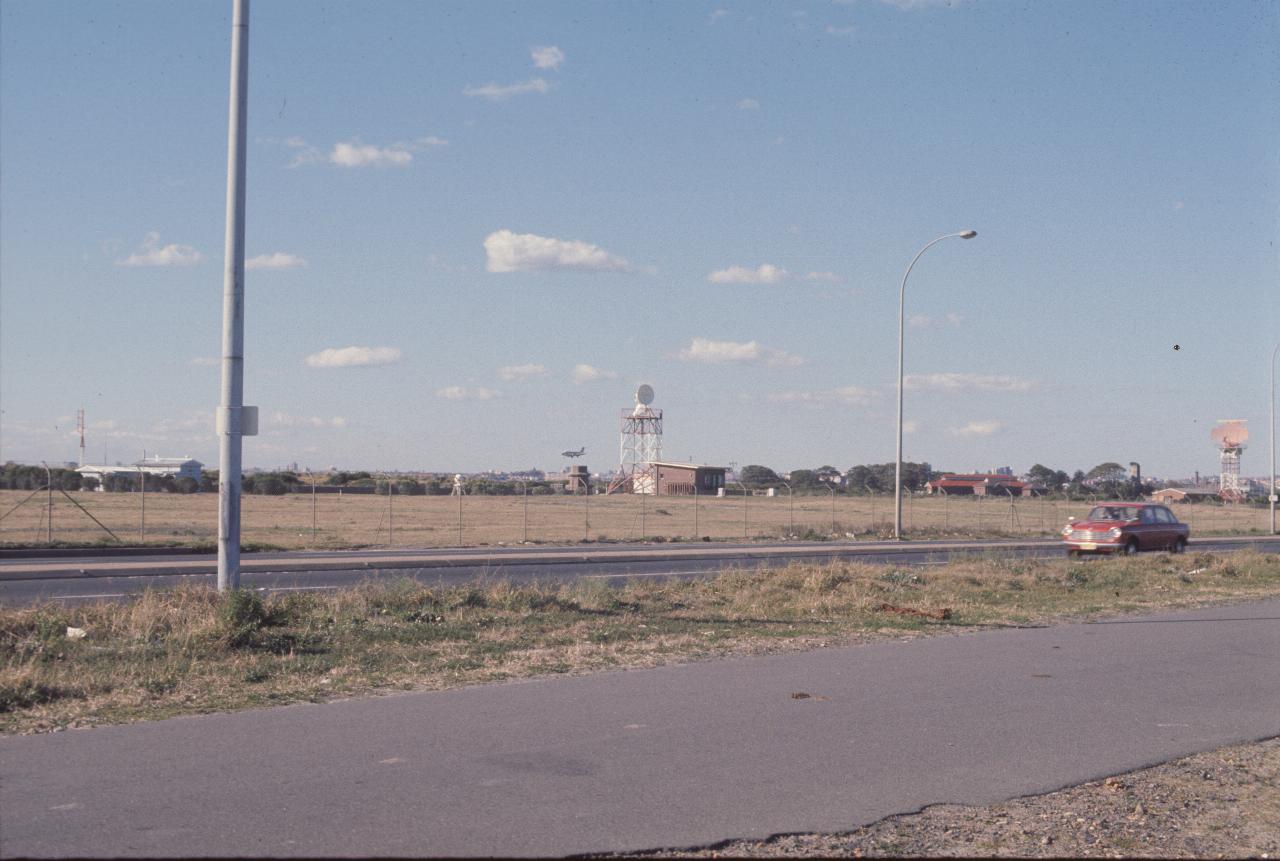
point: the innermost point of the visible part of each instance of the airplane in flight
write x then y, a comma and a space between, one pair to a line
579, 453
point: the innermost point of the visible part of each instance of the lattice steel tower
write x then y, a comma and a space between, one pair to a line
1230, 436
641, 446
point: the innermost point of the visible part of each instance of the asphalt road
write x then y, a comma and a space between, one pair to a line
88, 578
667, 757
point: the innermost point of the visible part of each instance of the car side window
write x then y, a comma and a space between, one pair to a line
1147, 515
1165, 515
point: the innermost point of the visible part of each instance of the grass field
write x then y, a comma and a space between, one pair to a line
191, 650
297, 521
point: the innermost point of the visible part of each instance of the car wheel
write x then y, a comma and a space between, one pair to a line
1073, 554
1131, 547
1180, 546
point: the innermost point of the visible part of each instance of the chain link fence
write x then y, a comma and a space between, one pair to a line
331, 520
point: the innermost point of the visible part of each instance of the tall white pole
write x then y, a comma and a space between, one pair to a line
232, 397
902, 293
1271, 495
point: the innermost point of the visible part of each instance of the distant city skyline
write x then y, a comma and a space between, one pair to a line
474, 228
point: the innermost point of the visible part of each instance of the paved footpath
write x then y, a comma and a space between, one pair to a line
675, 756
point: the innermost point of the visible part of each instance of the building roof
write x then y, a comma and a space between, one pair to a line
166, 461
950, 480
686, 465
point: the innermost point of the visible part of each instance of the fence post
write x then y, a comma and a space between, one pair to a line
744, 509
142, 484
695, 510
311, 476
460, 517
524, 522
832, 491
48, 483
586, 514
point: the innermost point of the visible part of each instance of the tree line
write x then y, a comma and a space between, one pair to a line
1108, 480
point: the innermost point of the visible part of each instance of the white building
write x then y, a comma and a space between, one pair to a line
176, 467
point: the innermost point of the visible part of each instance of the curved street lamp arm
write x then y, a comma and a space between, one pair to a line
902, 294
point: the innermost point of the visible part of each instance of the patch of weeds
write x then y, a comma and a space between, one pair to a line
908, 578
25, 693
255, 675
461, 598
241, 615
1077, 576
159, 685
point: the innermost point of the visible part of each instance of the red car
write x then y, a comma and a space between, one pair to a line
1126, 527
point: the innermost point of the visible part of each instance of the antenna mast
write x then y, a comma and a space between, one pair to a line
641, 445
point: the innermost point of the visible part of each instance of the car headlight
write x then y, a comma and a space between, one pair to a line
1114, 532
1066, 530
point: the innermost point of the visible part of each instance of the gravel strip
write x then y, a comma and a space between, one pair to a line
1222, 803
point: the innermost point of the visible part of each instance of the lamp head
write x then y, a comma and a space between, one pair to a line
967, 234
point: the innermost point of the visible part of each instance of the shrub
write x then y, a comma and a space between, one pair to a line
240, 615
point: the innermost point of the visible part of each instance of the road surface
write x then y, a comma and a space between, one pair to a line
667, 757
84, 578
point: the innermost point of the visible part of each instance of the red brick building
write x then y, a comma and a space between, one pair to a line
977, 484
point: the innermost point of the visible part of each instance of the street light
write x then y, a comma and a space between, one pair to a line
902, 293
1271, 497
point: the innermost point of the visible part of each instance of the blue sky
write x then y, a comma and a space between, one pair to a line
475, 227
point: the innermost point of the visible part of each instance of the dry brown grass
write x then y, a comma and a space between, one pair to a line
343, 521
190, 650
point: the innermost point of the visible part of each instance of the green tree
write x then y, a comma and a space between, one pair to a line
754, 476
1051, 480
804, 479
1108, 471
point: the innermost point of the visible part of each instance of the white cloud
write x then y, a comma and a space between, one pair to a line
853, 395
303, 152
547, 57
352, 357
283, 419
918, 4
736, 352
277, 260
356, 154
828, 277
717, 15
748, 105
923, 321
462, 393
152, 253
500, 92
765, 273
588, 374
954, 382
522, 372
839, 31
986, 428
527, 252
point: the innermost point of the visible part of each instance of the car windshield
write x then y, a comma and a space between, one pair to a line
1114, 512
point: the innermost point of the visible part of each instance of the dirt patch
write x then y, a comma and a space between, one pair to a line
1222, 803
